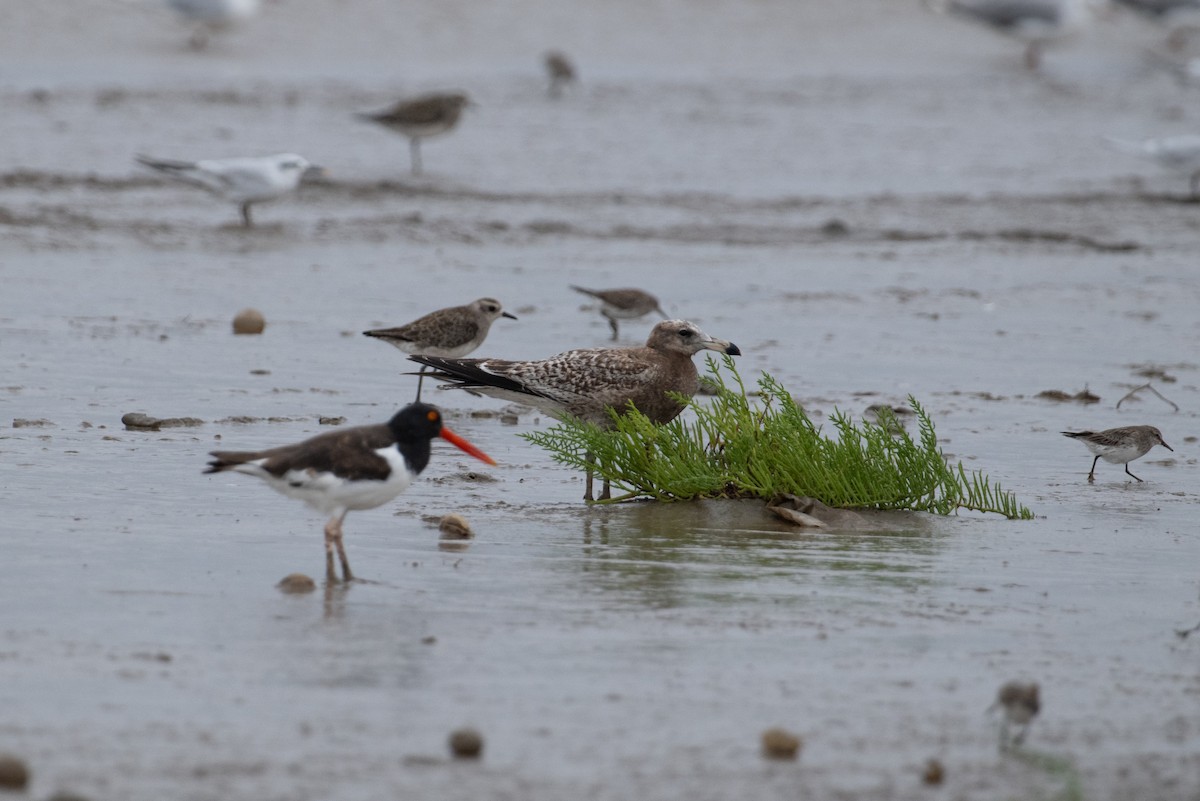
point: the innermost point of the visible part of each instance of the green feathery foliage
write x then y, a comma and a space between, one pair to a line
731, 448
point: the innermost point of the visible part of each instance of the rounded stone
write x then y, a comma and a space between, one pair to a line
466, 743
249, 321
780, 744
14, 773
296, 583
455, 527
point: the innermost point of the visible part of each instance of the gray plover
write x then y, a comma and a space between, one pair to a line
450, 333
349, 469
1020, 704
559, 70
245, 181
622, 304
1119, 445
420, 118
587, 383
1177, 153
1034, 22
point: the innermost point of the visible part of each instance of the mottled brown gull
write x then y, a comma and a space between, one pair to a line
586, 383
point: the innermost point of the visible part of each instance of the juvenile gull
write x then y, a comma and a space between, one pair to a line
1179, 153
349, 469
622, 304
560, 70
1119, 445
419, 118
245, 181
1034, 22
450, 333
587, 383
210, 16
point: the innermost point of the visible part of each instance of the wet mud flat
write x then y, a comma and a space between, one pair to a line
866, 241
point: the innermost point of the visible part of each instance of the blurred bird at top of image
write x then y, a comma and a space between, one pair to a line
1034, 22
211, 16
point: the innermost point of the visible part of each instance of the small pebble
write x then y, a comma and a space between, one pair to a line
466, 743
249, 321
780, 744
934, 772
455, 527
296, 583
14, 773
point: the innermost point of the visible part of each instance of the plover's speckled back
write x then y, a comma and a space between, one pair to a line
420, 118
586, 383
1119, 445
452, 332
348, 469
625, 303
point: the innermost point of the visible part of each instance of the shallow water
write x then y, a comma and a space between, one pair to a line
992, 250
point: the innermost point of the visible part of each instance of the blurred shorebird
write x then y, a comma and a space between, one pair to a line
245, 181
420, 118
1119, 445
348, 469
1177, 153
210, 16
1180, 17
1020, 704
622, 304
560, 71
1034, 22
451, 333
585, 384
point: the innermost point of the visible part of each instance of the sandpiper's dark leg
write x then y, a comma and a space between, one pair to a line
1127, 471
331, 534
612, 323
414, 148
1033, 56
1092, 472
246, 221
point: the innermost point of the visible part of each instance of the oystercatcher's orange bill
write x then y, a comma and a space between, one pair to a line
463, 445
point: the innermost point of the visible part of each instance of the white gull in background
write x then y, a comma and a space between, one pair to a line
245, 181
1176, 153
587, 383
210, 16
1034, 22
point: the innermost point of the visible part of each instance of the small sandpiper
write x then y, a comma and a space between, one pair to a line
560, 70
1119, 445
420, 118
1020, 702
622, 304
450, 333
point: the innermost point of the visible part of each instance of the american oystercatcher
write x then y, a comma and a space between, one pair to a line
351, 469
451, 332
587, 383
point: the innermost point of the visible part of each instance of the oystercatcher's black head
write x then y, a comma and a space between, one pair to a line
416, 424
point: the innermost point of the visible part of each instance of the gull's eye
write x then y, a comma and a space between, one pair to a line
686, 333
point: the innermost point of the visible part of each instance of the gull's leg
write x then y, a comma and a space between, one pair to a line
1131, 474
587, 492
604, 493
